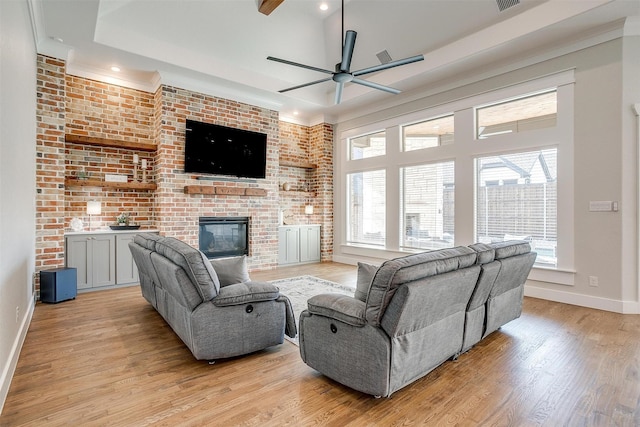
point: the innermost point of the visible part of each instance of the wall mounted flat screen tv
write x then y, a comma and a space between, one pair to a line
221, 150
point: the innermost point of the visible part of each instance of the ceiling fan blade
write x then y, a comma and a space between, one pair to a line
339, 88
388, 65
347, 50
376, 86
268, 6
295, 64
304, 85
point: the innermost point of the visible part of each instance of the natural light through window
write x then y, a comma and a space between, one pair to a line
366, 146
516, 198
427, 206
531, 112
366, 207
427, 134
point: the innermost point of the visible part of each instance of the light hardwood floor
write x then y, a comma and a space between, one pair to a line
107, 358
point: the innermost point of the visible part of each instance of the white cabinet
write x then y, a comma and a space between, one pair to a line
289, 245
126, 270
103, 259
94, 255
309, 243
298, 244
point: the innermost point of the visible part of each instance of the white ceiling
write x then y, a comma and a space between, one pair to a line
220, 47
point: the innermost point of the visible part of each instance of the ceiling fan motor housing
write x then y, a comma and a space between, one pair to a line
342, 77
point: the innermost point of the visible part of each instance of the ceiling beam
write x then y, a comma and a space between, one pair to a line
268, 6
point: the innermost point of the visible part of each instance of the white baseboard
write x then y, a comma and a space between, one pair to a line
10, 367
616, 306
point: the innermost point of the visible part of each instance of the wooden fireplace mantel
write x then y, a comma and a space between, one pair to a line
225, 191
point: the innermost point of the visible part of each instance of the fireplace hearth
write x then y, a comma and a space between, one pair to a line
223, 236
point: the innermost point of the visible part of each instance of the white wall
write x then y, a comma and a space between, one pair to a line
605, 168
17, 182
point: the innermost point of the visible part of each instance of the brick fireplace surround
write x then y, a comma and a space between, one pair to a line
72, 105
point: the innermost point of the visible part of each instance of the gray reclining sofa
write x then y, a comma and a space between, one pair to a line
217, 314
413, 313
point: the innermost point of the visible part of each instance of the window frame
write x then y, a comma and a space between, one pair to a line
463, 152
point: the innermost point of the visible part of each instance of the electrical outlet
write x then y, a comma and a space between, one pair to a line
17, 314
593, 281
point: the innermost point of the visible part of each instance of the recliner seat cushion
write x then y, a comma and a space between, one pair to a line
241, 293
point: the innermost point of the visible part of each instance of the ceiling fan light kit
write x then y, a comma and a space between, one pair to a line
343, 73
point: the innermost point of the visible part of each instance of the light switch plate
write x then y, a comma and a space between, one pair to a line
600, 206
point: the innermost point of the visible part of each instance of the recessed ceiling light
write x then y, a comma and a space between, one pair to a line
324, 6
115, 68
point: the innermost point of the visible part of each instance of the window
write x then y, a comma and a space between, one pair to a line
427, 206
427, 134
421, 186
366, 146
366, 207
516, 198
531, 112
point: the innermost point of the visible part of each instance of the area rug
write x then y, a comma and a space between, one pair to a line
299, 289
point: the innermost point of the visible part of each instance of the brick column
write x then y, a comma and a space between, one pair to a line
50, 163
321, 153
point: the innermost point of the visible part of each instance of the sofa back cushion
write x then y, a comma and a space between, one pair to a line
395, 272
427, 301
510, 248
175, 286
490, 268
147, 240
194, 263
516, 260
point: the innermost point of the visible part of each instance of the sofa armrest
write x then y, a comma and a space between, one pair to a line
344, 308
242, 293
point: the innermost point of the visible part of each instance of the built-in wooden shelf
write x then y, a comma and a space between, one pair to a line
113, 143
225, 191
298, 193
303, 165
74, 182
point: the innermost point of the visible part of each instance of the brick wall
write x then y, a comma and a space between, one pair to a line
294, 148
303, 144
102, 110
74, 105
50, 170
321, 153
177, 212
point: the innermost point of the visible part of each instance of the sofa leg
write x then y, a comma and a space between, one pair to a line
211, 362
455, 357
377, 396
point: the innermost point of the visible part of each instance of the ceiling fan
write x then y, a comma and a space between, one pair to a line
343, 73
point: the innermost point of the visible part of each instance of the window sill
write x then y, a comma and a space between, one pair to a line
553, 275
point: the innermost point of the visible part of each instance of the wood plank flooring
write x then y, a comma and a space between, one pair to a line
107, 358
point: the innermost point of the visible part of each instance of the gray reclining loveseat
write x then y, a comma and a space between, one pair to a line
211, 305
413, 313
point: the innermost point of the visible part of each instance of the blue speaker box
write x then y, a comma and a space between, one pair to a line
58, 284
